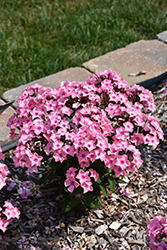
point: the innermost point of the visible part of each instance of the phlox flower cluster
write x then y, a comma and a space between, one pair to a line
101, 119
157, 231
7, 211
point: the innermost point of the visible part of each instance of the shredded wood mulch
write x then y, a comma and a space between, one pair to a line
120, 223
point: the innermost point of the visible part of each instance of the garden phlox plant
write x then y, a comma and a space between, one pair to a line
157, 231
85, 134
7, 211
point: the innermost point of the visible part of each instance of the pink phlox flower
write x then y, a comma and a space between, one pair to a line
111, 109
102, 143
137, 160
87, 186
72, 183
121, 134
83, 176
89, 144
82, 155
70, 136
154, 142
151, 107
100, 154
49, 148
119, 171
84, 164
71, 172
24, 138
138, 106
138, 120
154, 227
94, 174
64, 124
38, 126
53, 118
113, 97
27, 127
77, 117
76, 105
36, 113
11, 211
92, 156
110, 161
78, 142
86, 111
85, 121
143, 97
106, 127
12, 133
70, 150
50, 105
66, 111
122, 161
163, 221
137, 139
57, 144
4, 171
128, 126
68, 90
3, 224
2, 181
106, 85
122, 98
62, 155
132, 112
36, 160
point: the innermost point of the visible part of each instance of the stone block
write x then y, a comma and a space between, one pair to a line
162, 36
4, 130
136, 63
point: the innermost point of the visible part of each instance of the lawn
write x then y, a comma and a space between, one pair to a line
42, 37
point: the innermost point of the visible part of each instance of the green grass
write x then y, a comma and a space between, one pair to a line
42, 37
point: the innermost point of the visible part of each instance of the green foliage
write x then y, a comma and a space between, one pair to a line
39, 38
53, 181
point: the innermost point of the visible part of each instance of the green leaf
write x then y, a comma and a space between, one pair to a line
121, 181
98, 196
103, 189
112, 184
89, 201
99, 180
70, 204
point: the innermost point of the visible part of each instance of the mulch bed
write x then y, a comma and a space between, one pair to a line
120, 223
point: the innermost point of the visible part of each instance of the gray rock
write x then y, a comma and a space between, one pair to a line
149, 57
136, 247
123, 231
91, 241
4, 130
99, 213
77, 229
162, 36
163, 167
53, 81
99, 230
